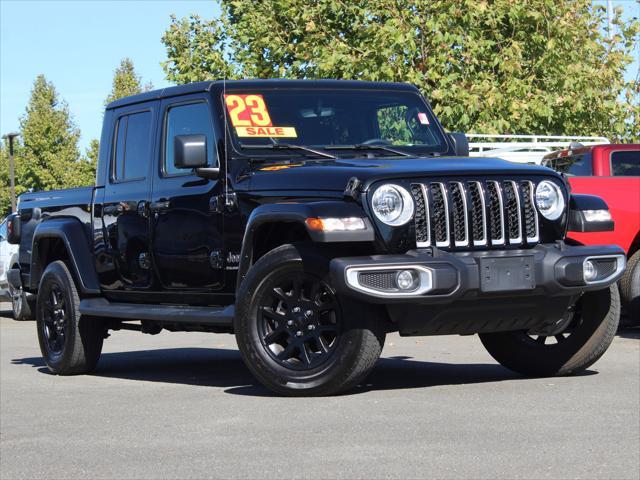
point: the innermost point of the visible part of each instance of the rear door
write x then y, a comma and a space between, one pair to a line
125, 265
187, 230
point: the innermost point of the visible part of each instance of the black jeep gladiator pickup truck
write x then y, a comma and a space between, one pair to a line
310, 218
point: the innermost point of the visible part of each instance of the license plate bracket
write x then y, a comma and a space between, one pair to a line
503, 274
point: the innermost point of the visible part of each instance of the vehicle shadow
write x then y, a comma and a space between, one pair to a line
629, 332
223, 368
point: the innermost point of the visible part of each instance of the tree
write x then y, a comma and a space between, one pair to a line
535, 66
46, 156
5, 194
126, 82
91, 154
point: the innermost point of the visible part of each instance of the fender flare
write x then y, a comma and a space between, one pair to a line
74, 236
298, 213
578, 222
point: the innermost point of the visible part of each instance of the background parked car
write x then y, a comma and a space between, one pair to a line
7, 251
613, 173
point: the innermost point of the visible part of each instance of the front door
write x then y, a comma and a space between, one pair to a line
187, 230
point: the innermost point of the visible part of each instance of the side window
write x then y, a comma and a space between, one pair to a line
3, 230
575, 165
190, 119
625, 163
132, 152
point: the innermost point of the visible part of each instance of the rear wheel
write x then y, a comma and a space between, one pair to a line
296, 335
70, 344
630, 288
573, 344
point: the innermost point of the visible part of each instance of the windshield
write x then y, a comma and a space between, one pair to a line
338, 122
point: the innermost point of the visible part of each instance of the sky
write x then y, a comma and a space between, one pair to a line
78, 44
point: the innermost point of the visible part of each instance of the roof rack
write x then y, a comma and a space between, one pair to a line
525, 148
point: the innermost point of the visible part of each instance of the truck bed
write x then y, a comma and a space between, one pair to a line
53, 200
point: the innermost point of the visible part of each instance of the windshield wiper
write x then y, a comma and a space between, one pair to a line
363, 146
287, 146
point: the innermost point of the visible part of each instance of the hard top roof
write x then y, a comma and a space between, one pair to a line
250, 84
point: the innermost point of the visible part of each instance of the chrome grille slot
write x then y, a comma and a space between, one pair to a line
440, 214
496, 213
423, 232
487, 213
512, 207
459, 214
530, 214
478, 213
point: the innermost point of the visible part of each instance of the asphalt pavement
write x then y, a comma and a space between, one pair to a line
182, 405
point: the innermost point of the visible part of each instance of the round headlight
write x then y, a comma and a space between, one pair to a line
549, 200
392, 204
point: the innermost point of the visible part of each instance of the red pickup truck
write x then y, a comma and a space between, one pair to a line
612, 172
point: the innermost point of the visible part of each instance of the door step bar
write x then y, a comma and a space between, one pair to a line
214, 316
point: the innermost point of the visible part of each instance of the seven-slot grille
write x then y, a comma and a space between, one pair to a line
467, 214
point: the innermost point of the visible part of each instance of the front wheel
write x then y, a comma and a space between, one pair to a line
70, 344
296, 335
579, 339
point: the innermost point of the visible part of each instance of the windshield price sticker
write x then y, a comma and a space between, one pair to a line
250, 117
423, 119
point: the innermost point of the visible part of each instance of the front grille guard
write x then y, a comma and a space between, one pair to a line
470, 214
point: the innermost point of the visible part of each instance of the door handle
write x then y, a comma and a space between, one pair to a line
113, 209
159, 206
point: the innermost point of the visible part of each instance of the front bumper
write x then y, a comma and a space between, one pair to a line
471, 292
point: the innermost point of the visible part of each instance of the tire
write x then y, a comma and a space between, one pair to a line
589, 332
314, 344
21, 305
70, 344
630, 288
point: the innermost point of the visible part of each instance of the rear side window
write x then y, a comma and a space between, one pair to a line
625, 163
132, 152
575, 165
190, 119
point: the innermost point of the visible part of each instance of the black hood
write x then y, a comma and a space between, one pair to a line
305, 174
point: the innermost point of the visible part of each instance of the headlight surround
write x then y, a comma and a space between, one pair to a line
392, 204
549, 200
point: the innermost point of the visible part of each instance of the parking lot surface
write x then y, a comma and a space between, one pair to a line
182, 405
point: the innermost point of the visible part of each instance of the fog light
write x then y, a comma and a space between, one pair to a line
589, 271
406, 280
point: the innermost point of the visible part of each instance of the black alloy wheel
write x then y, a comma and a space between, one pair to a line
70, 342
299, 321
55, 319
296, 334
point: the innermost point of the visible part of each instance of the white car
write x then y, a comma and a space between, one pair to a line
8, 253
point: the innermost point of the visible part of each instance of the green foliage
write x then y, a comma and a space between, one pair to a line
126, 82
505, 66
46, 156
91, 154
196, 50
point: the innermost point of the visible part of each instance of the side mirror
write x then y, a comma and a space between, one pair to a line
190, 151
461, 144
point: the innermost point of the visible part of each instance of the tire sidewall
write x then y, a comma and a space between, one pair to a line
57, 274
278, 377
589, 340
